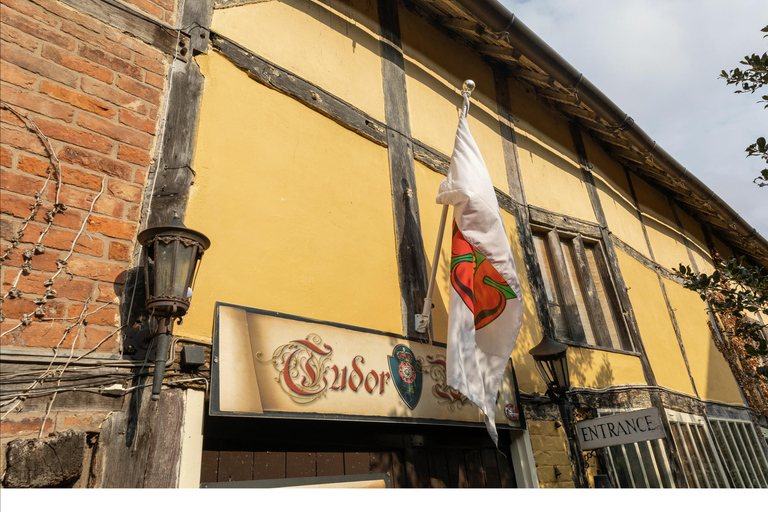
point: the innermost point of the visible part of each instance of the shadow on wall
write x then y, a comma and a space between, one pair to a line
588, 368
136, 322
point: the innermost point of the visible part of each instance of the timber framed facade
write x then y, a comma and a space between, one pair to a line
307, 139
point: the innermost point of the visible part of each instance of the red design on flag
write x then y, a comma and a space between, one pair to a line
478, 283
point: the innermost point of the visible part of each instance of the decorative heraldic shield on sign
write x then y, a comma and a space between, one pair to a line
274, 365
406, 374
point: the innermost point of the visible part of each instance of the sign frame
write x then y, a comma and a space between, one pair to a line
215, 409
614, 429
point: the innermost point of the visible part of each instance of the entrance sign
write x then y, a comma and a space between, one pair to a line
628, 427
274, 365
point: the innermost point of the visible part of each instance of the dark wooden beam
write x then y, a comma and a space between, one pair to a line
499, 52
120, 456
431, 157
610, 252
626, 305
165, 442
687, 242
577, 112
600, 326
563, 222
560, 97
462, 25
154, 33
642, 258
312, 96
529, 74
566, 291
172, 174
411, 260
670, 310
518, 202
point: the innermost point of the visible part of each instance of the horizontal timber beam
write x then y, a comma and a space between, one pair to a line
161, 36
431, 157
314, 97
563, 222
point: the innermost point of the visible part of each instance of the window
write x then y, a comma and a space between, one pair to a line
641, 465
701, 465
742, 451
580, 293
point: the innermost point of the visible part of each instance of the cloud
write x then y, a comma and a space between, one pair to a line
659, 62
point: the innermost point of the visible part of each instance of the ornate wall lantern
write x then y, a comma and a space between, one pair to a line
552, 364
171, 260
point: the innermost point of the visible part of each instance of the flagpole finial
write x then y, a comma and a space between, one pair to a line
468, 87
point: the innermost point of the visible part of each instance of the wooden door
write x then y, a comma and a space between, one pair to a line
240, 450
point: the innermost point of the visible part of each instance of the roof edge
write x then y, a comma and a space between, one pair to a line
499, 20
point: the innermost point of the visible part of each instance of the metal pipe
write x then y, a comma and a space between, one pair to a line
163, 340
422, 320
500, 21
574, 450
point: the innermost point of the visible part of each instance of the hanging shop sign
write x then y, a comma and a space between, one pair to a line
623, 428
274, 365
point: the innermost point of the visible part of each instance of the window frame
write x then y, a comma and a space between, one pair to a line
554, 238
660, 466
686, 455
739, 430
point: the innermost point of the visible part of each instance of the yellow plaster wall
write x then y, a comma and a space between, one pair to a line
697, 242
427, 183
298, 209
550, 449
336, 47
615, 196
598, 369
667, 242
655, 325
435, 69
711, 373
551, 174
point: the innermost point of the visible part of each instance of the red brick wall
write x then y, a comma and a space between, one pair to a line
95, 95
162, 10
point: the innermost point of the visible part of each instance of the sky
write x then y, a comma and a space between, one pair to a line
659, 61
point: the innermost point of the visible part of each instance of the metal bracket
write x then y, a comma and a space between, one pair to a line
199, 37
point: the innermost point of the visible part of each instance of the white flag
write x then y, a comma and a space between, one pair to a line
485, 309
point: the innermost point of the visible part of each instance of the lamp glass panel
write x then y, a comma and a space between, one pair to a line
163, 267
181, 274
147, 283
545, 372
561, 373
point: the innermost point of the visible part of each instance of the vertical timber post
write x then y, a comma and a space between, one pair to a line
517, 192
412, 264
167, 194
626, 305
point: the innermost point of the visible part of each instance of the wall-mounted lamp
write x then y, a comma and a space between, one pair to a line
171, 260
552, 364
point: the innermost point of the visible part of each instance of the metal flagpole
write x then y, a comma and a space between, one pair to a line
422, 320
